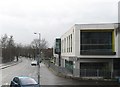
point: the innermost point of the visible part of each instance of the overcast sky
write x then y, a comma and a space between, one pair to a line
52, 18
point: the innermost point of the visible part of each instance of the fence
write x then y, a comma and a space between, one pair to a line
95, 73
58, 69
99, 73
84, 72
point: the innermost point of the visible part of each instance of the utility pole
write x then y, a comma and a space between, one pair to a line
39, 58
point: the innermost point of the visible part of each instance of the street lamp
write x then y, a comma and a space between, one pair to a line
39, 58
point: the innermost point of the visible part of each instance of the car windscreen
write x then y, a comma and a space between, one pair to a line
28, 81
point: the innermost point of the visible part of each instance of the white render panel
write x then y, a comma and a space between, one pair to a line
77, 41
96, 26
116, 43
94, 60
71, 31
118, 34
75, 31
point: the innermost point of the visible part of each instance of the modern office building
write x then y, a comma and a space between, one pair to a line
91, 47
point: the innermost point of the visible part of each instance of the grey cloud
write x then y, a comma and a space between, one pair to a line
52, 17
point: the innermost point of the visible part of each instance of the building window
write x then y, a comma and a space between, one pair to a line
96, 42
57, 46
71, 43
62, 46
67, 44
69, 65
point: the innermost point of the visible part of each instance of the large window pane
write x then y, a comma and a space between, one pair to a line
96, 41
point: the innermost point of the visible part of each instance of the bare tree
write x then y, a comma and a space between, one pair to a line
4, 40
18, 50
43, 44
35, 46
8, 45
11, 48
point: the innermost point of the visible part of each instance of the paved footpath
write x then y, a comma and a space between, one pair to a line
5, 65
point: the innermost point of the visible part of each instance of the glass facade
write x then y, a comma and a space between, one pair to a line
66, 44
93, 65
57, 46
96, 41
69, 65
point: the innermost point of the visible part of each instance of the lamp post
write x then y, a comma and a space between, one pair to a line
39, 58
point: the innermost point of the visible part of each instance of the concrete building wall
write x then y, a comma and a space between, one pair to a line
62, 62
76, 70
75, 55
56, 59
75, 31
71, 31
79, 27
77, 41
118, 46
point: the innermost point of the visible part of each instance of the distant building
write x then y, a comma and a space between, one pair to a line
47, 53
91, 46
57, 51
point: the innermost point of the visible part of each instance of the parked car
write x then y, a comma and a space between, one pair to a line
23, 82
34, 63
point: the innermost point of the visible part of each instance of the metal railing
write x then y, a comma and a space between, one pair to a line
84, 72
95, 73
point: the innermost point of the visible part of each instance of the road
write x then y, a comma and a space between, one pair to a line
46, 76
22, 69
25, 69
